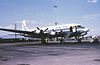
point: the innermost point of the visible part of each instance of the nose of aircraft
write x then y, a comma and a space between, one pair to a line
86, 29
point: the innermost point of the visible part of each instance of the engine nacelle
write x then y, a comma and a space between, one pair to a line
53, 33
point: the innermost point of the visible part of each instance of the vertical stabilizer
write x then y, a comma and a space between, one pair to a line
24, 25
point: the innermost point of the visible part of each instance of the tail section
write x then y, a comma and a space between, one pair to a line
24, 25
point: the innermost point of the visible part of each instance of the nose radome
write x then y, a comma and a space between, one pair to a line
86, 29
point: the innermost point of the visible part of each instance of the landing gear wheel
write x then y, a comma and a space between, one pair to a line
43, 41
79, 41
61, 40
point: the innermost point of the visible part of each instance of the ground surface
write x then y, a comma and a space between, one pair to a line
53, 54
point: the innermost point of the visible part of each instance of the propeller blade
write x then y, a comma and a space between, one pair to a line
53, 30
38, 28
61, 31
45, 30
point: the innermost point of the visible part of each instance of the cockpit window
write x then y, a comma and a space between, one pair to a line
79, 26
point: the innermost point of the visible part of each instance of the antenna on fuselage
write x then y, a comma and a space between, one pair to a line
56, 23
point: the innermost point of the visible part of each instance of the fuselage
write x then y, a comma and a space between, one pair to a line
63, 28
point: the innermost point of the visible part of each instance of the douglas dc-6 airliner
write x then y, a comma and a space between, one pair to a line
60, 32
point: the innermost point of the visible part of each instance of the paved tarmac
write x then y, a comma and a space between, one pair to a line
51, 54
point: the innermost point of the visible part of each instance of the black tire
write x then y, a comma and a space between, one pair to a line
79, 41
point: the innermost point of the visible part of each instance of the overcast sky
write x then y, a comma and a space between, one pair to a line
44, 12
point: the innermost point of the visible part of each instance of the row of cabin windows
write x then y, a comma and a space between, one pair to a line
61, 27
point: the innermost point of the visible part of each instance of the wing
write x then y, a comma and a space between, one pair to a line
31, 34
18, 31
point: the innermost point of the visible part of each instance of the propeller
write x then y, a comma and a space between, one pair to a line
42, 31
57, 32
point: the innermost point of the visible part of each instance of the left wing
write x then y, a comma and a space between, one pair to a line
18, 31
31, 34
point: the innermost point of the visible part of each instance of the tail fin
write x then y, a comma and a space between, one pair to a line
24, 25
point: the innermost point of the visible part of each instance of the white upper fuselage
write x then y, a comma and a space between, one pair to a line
58, 28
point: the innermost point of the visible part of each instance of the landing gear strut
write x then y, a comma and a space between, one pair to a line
79, 40
43, 41
62, 40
